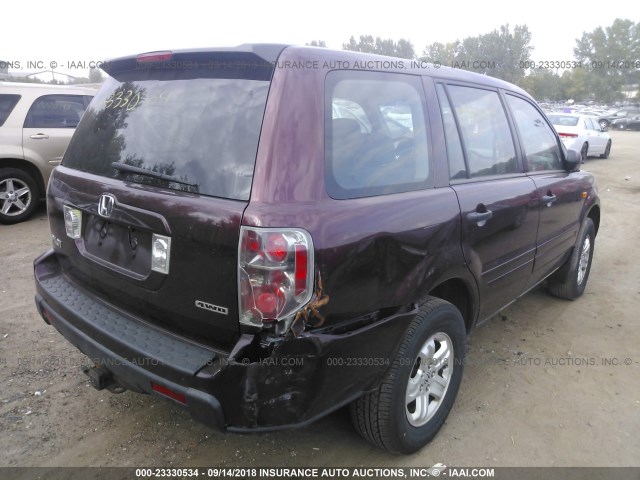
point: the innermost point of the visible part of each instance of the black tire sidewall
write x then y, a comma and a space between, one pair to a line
588, 230
447, 319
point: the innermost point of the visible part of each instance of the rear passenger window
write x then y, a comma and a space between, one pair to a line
539, 142
592, 124
55, 111
485, 131
375, 134
7, 102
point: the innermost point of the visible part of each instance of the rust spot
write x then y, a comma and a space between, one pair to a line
310, 311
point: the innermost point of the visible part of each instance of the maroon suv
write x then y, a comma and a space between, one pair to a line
264, 234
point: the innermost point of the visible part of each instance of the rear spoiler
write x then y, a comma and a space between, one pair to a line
244, 61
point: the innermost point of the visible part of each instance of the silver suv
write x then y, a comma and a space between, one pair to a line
36, 124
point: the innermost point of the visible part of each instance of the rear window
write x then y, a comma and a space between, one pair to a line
198, 135
7, 102
563, 120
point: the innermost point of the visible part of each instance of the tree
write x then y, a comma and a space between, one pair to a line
403, 48
317, 43
576, 85
610, 56
445, 54
500, 53
95, 76
544, 84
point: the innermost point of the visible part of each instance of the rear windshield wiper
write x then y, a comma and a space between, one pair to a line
123, 167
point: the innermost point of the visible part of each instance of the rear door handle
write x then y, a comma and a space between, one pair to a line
40, 136
549, 198
479, 218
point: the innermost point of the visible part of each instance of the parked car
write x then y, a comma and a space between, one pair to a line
36, 124
628, 123
582, 133
624, 112
239, 232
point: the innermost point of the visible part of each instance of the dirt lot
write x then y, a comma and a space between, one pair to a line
548, 382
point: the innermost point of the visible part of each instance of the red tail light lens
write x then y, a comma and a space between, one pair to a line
275, 274
277, 247
568, 135
301, 270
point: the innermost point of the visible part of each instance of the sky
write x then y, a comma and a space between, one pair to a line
68, 32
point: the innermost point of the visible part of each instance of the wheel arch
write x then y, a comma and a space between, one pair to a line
594, 215
459, 293
29, 168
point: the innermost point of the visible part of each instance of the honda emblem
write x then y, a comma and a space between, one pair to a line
105, 205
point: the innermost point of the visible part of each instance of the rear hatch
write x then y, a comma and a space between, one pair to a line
161, 165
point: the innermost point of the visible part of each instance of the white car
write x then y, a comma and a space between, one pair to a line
582, 133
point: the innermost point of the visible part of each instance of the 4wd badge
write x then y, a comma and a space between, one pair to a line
211, 307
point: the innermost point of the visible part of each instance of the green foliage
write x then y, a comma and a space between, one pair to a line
402, 49
317, 43
95, 76
608, 53
499, 53
544, 84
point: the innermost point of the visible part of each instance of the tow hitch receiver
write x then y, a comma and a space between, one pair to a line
99, 376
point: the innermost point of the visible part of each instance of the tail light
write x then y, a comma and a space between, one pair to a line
154, 57
73, 222
275, 275
568, 135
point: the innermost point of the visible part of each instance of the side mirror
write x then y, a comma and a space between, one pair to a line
572, 160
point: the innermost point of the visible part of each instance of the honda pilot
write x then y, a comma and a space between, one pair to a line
267, 233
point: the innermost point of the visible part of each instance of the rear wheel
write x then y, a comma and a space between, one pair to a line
584, 151
607, 150
414, 399
18, 195
604, 124
570, 281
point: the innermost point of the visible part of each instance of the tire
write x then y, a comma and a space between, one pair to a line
607, 150
604, 124
387, 417
570, 281
584, 152
18, 195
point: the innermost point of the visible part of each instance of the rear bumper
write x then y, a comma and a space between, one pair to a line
247, 389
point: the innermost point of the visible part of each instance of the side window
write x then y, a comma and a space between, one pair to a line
485, 131
7, 103
539, 142
592, 124
55, 111
376, 138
